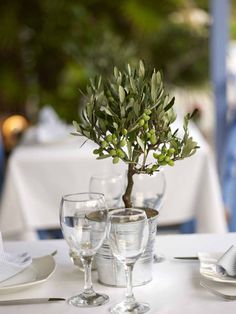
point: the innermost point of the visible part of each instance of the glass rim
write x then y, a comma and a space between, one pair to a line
105, 175
67, 197
114, 211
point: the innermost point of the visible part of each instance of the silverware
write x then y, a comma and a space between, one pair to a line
30, 301
187, 258
226, 297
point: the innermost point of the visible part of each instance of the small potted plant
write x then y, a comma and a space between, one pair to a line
129, 117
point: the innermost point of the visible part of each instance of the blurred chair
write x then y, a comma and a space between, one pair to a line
46, 234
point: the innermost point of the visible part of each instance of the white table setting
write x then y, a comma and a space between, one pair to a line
175, 287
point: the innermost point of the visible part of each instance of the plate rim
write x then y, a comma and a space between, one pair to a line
33, 282
218, 279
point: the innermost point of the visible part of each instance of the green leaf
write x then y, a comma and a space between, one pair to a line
76, 126
141, 68
185, 125
153, 87
99, 81
141, 144
175, 132
122, 112
136, 108
195, 111
129, 69
86, 133
75, 134
115, 125
116, 72
188, 147
129, 147
132, 84
158, 78
170, 104
107, 110
102, 125
89, 111
121, 94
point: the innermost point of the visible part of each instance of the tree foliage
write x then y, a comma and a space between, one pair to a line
129, 117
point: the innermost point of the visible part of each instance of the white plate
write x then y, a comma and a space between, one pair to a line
208, 268
39, 271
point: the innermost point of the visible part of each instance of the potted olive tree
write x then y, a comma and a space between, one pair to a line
129, 117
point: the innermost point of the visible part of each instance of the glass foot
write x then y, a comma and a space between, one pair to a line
133, 308
88, 300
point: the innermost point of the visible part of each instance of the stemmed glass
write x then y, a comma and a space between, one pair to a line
111, 185
128, 236
149, 192
83, 218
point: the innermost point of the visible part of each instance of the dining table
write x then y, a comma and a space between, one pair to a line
39, 173
174, 289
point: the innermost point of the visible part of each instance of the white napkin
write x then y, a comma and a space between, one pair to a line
226, 264
50, 128
12, 264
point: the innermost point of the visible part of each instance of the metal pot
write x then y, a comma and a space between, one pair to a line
111, 271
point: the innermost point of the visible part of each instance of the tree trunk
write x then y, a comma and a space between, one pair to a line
127, 196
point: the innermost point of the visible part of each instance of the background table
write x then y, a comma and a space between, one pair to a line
175, 287
38, 175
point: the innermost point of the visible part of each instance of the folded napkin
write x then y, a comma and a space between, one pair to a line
218, 266
226, 264
11, 264
50, 127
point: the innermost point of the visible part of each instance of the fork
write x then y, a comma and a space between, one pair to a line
226, 297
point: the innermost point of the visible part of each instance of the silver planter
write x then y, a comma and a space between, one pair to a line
111, 271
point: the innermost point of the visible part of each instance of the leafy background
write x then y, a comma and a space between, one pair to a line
49, 48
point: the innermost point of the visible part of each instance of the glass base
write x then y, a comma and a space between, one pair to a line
133, 308
88, 300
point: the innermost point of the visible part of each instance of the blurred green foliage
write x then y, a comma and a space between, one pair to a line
49, 48
233, 20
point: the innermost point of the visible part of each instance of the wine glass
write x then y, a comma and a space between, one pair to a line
128, 235
111, 185
83, 219
149, 192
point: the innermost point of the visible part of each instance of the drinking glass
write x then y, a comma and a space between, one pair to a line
128, 236
111, 185
149, 191
83, 218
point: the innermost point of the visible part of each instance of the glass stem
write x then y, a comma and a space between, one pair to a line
129, 287
87, 263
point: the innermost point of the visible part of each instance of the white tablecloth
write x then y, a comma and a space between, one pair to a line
175, 287
38, 175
